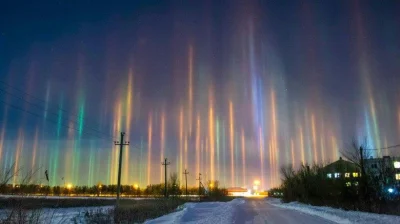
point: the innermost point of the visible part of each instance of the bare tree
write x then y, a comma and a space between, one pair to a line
213, 184
357, 154
28, 177
287, 172
7, 174
173, 184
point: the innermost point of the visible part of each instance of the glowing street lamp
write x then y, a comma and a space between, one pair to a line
257, 182
396, 164
69, 186
136, 186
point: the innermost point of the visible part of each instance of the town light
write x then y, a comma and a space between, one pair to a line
256, 182
396, 164
136, 186
390, 190
69, 186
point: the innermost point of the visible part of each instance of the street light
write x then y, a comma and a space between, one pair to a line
256, 182
69, 186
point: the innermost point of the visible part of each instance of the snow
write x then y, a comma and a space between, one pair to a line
60, 215
201, 213
239, 210
336, 215
223, 212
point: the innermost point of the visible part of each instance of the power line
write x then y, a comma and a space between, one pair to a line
55, 122
42, 107
39, 116
388, 147
34, 97
45, 110
76, 116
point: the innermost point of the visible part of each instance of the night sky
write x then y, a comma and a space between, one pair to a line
233, 89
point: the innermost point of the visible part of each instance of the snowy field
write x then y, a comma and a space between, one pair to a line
336, 215
60, 215
206, 212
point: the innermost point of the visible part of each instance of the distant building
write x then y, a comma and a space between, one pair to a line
238, 191
342, 169
386, 170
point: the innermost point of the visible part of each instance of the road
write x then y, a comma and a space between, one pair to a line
256, 210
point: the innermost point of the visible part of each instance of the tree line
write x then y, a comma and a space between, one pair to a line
27, 187
309, 184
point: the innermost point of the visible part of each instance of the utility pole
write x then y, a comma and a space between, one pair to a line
165, 164
186, 173
199, 184
362, 160
363, 176
121, 144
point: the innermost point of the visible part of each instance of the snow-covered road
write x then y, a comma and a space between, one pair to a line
258, 211
254, 210
271, 211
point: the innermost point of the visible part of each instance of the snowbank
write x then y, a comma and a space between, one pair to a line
201, 213
337, 215
59, 215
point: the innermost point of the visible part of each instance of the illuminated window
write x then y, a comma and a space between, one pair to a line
347, 175
348, 184
329, 175
337, 175
397, 176
396, 164
355, 174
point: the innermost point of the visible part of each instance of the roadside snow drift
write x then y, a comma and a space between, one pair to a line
337, 215
59, 215
201, 213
